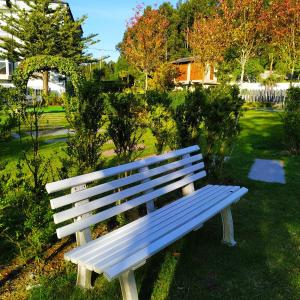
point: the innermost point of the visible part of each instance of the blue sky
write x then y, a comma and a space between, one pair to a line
108, 19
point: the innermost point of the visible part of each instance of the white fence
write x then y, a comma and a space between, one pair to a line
256, 92
267, 95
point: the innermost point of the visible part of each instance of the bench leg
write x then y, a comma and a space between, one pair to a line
228, 231
128, 286
84, 277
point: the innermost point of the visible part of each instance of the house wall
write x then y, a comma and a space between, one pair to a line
183, 72
197, 72
192, 72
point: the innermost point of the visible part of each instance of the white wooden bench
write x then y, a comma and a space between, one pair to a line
118, 253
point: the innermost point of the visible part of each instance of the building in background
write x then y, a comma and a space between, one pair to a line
193, 73
56, 81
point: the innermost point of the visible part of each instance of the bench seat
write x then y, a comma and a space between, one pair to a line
130, 245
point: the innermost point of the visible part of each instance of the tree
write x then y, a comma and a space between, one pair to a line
208, 39
241, 21
43, 29
188, 12
163, 77
282, 23
86, 117
144, 43
175, 38
126, 113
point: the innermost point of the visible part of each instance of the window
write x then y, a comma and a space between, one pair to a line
2, 67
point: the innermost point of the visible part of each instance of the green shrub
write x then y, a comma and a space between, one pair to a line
25, 215
86, 117
8, 118
53, 99
220, 127
160, 120
187, 114
291, 120
126, 114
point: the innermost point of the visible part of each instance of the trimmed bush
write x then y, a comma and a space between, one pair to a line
291, 120
220, 126
126, 113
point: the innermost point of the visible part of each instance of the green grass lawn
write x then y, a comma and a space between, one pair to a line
52, 118
265, 264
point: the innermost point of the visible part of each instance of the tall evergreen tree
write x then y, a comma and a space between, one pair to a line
46, 27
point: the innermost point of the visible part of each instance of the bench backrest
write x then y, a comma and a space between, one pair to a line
156, 176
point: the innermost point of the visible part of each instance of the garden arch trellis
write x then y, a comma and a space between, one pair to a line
39, 63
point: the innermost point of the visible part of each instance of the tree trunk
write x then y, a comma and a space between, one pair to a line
271, 63
46, 82
292, 70
146, 81
243, 64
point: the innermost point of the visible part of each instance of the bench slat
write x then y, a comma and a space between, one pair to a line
139, 225
192, 211
102, 188
101, 202
87, 178
107, 256
85, 223
143, 254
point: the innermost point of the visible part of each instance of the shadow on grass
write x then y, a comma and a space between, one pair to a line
149, 275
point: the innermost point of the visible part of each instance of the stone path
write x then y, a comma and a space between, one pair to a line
268, 171
15, 136
52, 141
108, 153
53, 132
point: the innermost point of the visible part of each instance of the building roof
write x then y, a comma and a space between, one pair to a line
183, 60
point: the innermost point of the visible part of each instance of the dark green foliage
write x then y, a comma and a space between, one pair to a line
34, 171
291, 120
86, 117
8, 119
209, 117
220, 127
31, 223
160, 120
25, 216
181, 20
253, 69
187, 115
126, 114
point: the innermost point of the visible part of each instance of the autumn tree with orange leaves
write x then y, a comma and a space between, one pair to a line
235, 24
207, 39
282, 25
144, 43
241, 21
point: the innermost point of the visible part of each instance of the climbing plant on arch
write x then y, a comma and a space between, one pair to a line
28, 66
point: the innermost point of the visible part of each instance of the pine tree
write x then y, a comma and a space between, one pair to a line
45, 28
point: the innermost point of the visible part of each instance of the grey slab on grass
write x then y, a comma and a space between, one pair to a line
267, 171
53, 132
15, 136
52, 141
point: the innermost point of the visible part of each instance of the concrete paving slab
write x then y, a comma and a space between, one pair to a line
52, 141
53, 132
268, 171
15, 136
